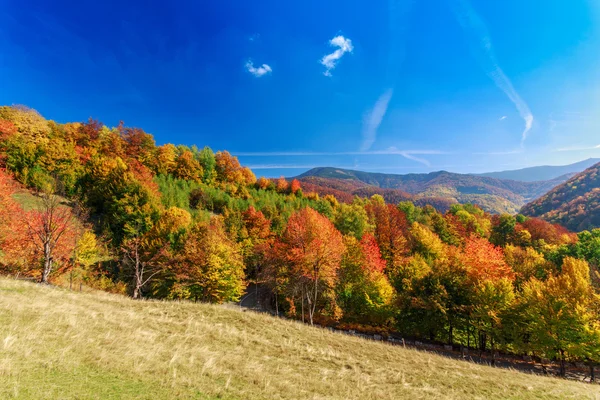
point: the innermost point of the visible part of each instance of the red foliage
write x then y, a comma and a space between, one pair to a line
89, 132
138, 143
543, 230
391, 229
372, 254
341, 196
484, 261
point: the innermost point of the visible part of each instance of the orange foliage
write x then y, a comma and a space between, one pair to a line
295, 186
313, 246
484, 261
372, 254
257, 225
144, 176
11, 227
7, 128
281, 185
263, 183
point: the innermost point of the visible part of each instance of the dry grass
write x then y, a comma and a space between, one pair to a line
56, 344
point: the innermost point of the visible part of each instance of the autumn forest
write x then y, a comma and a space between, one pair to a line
108, 208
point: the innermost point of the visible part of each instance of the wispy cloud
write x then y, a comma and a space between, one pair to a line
500, 152
373, 120
354, 167
581, 148
390, 151
398, 12
502, 118
343, 45
481, 42
568, 120
258, 71
412, 155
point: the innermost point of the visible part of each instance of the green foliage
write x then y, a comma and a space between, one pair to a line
175, 192
351, 219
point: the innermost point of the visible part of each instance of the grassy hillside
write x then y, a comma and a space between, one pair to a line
60, 344
543, 172
574, 204
491, 194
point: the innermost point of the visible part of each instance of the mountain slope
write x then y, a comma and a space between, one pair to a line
69, 345
574, 204
493, 195
544, 172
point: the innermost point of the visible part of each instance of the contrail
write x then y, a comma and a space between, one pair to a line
373, 119
409, 156
482, 48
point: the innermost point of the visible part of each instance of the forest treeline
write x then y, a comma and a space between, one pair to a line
117, 212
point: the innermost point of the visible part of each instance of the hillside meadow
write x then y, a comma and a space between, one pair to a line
58, 344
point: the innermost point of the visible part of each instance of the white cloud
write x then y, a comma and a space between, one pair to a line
475, 27
502, 118
343, 45
373, 120
258, 71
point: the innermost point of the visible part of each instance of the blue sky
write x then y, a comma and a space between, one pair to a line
392, 86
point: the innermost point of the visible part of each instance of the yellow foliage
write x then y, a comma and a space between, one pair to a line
427, 242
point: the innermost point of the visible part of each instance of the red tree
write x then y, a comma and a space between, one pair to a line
313, 249
52, 231
391, 230
372, 254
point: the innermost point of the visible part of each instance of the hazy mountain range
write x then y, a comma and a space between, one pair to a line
496, 192
575, 204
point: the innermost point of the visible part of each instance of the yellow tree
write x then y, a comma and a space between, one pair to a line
210, 266
559, 311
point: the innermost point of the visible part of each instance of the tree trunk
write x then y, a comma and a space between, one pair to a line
468, 336
47, 263
482, 344
302, 299
138, 276
592, 375
450, 334
562, 363
314, 301
493, 352
137, 289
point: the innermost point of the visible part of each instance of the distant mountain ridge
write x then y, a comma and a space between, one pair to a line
441, 187
542, 173
575, 204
